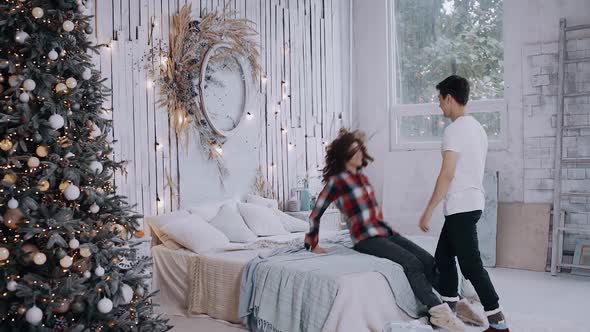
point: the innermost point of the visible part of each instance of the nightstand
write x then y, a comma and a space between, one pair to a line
331, 220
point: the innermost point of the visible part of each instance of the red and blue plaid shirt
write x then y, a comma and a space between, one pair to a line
355, 198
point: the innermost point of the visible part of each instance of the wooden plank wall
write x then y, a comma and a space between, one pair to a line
304, 89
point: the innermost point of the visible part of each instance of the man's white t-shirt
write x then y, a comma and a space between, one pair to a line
467, 137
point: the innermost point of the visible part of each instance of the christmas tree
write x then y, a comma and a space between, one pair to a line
67, 262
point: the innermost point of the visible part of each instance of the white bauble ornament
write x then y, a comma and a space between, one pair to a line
11, 286
87, 74
24, 97
33, 162
40, 258
95, 167
94, 208
37, 12
140, 291
13, 80
78, 2
99, 191
68, 26
71, 83
74, 244
21, 37
29, 85
52, 55
13, 203
87, 274
61, 88
99, 271
4, 63
72, 192
127, 292
105, 305
4, 253
81, 9
69, 155
56, 121
85, 252
66, 262
34, 315
95, 131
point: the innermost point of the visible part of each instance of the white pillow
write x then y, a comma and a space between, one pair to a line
261, 220
230, 222
209, 210
194, 233
259, 200
157, 222
291, 223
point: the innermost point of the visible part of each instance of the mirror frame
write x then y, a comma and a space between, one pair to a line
244, 66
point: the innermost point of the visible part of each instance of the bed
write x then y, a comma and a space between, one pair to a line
209, 284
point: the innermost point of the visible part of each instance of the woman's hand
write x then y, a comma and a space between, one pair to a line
318, 250
311, 241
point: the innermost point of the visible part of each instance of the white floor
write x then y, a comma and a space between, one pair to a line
532, 301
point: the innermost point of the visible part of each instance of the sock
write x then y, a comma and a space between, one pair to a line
451, 301
496, 319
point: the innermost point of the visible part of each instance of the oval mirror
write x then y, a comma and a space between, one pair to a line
223, 89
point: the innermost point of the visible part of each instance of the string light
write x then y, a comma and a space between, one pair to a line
164, 61
219, 149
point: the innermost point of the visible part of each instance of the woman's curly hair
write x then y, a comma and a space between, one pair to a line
338, 152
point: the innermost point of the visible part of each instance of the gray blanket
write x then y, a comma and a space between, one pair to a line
291, 289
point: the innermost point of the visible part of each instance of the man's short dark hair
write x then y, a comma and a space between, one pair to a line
456, 86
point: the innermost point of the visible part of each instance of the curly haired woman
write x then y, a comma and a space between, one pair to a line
346, 156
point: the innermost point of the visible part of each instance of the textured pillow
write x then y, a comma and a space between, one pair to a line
157, 222
209, 210
230, 222
259, 200
291, 223
261, 220
196, 234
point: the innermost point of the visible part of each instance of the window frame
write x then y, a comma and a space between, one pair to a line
478, 106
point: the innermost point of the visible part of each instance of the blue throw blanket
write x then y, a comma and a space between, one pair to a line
291, 289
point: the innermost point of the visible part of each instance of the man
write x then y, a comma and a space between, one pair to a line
460, 183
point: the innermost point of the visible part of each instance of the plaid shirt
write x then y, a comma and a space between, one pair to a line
355, 198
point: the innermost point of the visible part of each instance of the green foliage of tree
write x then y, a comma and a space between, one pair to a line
438, 38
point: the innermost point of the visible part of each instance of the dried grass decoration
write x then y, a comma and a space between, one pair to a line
178, 74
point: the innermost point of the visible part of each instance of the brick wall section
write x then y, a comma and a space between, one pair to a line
540, 64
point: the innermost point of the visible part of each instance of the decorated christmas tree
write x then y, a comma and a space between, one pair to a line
67, 259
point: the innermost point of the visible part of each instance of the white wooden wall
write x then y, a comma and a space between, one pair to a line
305, 45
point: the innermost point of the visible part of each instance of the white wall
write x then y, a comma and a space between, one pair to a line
305, 43
404, 180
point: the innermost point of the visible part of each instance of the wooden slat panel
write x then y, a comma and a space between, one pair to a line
161, 116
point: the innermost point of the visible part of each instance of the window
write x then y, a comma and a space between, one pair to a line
430, 40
